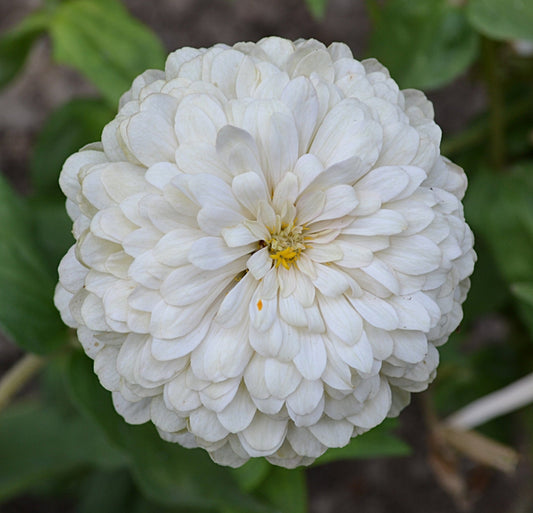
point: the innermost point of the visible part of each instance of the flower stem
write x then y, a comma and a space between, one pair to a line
478, 131
496, 101
17, 376
505, 400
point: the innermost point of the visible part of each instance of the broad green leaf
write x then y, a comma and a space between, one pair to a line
165, 472
524, 291
39, 444
379, 442
114, 491
107, 492
102, 41
424, 43
53, 229
15, 45
27, 312
500, 208
252, 473
317, 7
286, 489
502, 19
488, 292
70, 127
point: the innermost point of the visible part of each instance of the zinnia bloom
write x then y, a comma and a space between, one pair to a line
269, 248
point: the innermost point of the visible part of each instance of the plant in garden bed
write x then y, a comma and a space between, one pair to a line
286, 204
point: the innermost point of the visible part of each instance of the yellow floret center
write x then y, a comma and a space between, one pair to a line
286, 244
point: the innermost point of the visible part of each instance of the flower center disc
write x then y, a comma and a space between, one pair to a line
286, 244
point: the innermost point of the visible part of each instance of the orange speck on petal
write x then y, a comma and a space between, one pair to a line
260, 305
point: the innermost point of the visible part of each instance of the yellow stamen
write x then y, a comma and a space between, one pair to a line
286, 243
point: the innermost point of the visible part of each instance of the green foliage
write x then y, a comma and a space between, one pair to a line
500, 208
15, 45
286, 489
317, 7
166, 473
107, 45
501, 19
70, 127
27, 312
37, 444
424, 43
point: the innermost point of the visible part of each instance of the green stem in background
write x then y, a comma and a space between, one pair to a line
493, 79
18, 376
478, 131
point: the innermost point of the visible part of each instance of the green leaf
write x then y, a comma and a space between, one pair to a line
377, 443
102, 41
27, 312
424, 43
317, 7
524, 291
115, 492
500, 208
16, 44
502, 19
53, 229
70, 127
286, 489
38, 444
165, 472
107, 492
251, 474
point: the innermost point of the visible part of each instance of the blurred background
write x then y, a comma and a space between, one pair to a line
472, 61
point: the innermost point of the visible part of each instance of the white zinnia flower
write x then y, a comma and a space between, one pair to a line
269, 247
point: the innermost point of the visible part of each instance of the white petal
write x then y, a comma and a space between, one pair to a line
259, 263
353, 254
412, 255
332, 433
300, 96
382, 222
375, 410
211, 253
223, 354
311, 360
264, 435
199, 117
133, 412
281, 379
205, 424
331, 282
239, 412
409, 346
238, 150
347, 132
249, 189
306, 397
180, 396
376, 311
341, 318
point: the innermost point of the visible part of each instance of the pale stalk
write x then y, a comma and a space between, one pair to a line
17, 376
505, 400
